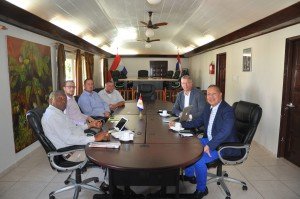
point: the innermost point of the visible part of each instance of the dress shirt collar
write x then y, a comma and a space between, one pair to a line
55, 109
187, 93
88, 93
216, 107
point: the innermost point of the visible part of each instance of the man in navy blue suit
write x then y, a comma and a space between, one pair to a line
218, 119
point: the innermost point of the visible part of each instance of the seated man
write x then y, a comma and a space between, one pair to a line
73, 112
189, 96
111, 96
90, 102
218, 120
59, 129
62, 132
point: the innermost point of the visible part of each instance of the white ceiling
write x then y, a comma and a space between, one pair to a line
189, 21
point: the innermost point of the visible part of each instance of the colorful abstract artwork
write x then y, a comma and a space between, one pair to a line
30, 84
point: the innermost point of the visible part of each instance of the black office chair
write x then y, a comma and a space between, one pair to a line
247, 119
147, 91
142, 73
116, 75
169, 75
57, 160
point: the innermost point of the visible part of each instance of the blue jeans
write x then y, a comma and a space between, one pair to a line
200, 168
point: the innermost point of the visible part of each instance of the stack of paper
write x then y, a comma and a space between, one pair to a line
113, 145
186, 134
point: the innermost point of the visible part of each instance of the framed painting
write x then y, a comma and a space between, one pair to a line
247, 60
30, 84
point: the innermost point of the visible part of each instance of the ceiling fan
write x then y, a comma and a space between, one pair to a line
151, 25
148, 40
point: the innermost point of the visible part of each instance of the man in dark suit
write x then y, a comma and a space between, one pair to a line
218, 120
189, 96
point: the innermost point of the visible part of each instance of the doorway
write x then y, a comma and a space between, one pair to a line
289, 137
221, 72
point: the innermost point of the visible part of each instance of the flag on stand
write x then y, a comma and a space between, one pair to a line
178, 64
140, 103
114, 66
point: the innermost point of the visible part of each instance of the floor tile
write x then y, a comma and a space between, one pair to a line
24, 190
4, 186
39, 174
274, 190
293, 185
269, 161
15, 174
284, 172
256, 173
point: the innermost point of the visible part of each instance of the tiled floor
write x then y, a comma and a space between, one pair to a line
265, 175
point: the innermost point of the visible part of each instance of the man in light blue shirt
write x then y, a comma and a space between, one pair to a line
90, 103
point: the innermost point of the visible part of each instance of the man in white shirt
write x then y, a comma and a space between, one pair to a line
62, 132
59, 129
111, 96
73, 111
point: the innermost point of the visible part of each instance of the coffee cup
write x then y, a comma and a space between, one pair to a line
164, 112
178, 125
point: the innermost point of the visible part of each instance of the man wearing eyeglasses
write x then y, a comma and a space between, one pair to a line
73, 112
218, 120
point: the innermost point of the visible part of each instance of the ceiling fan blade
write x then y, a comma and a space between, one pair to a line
154, 40
160, 24
144, 23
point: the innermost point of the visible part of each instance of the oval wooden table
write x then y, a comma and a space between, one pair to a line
155, 156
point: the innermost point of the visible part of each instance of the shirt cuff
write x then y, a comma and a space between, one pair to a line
91, 138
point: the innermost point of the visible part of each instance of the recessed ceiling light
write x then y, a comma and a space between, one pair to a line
67, 25
154, 1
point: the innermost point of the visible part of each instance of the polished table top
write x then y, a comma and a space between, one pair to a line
148, 79
154, 145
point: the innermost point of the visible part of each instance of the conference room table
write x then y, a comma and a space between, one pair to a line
155, 155
156, 81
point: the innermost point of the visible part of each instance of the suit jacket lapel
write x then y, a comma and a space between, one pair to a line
218, 114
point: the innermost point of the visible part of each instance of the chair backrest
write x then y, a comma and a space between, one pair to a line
34, 118
115, 75
169, 74
247, 119
142, 73
176, 74
147, 91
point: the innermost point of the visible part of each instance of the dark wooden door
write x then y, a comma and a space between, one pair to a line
221, 72
289, 140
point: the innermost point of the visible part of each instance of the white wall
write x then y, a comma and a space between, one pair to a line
263, 85
8, 156
134, 64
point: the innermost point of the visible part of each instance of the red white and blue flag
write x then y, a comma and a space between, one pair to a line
114, 66
178, 64
140, 103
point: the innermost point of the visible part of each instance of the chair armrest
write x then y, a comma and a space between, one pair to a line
65, 151
233, 145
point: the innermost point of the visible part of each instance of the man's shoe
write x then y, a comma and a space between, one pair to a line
200, 194
191, 179
104, 187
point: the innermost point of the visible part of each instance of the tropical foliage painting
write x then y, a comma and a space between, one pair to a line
30, 84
